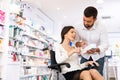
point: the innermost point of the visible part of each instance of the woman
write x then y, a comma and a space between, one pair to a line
65, 53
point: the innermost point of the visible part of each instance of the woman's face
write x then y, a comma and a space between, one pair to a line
71, 34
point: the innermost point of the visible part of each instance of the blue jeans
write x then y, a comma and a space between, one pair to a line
100, 62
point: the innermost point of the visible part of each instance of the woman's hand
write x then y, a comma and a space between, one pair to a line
92, 63
76, 50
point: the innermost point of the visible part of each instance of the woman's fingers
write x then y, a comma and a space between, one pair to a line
93, 63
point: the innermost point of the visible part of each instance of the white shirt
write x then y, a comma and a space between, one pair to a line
96, 35
62, 57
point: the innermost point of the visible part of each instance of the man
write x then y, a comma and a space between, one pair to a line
94, 33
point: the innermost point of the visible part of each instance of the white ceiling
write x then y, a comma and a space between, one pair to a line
70, 12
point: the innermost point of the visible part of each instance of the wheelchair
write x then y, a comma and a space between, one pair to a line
55, 68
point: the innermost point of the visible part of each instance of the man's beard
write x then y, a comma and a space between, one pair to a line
88, 26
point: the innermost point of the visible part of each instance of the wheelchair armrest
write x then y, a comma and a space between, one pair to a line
53, 66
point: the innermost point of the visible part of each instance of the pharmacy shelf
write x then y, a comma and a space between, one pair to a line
13, 63
38, 66
1, 51
15, 25
16, 39
30, 75
13, 49
34, 56
31, 46
35, 38
42, 32
1, 37
27, 42
1, 24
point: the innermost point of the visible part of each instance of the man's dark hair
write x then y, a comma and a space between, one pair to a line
90, 11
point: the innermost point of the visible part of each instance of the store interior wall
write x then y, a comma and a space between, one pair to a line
55, 19
38, 17
70, 13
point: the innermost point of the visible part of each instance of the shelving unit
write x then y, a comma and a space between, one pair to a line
1, 37
26, 48
2, 31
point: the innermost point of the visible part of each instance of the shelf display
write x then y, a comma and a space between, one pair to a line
2, 31
25, 43
27, 47
2, 21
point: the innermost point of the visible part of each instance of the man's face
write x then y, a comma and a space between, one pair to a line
88, 21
